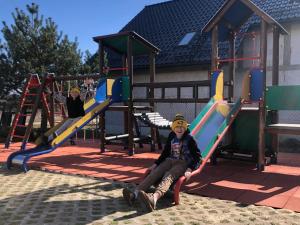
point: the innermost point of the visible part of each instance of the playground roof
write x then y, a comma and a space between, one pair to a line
165, 24
118, 43
233, 14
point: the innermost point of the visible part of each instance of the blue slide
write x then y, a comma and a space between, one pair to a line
108, 92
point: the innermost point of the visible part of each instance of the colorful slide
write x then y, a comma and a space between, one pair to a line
213, 121
211, 125
108, 92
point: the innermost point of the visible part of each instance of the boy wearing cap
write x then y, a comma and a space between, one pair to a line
74, 103
180, 157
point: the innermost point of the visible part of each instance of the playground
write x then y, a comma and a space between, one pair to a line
243, 172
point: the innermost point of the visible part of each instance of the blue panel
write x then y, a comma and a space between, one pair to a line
256, 84
209, 130
101, 91
117, 90
214, 78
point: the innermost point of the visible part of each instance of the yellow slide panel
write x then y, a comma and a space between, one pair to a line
219, 87
109, 83
80, 122
50, 131
89, 104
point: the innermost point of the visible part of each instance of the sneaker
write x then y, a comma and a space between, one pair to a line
128, 196
147, 201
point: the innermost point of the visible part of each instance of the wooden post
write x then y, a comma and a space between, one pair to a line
275, 81
130, 103
102, 115
214, 51
262, 108
125, 113
52, 109
231, 67
151, 95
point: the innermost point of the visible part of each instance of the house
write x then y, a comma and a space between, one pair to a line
175, 27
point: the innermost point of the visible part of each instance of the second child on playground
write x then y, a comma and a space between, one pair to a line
75, 107
180, 157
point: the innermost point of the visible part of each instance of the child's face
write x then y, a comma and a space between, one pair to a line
179, 131
74, 94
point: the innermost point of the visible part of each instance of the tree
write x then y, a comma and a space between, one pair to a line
34, 45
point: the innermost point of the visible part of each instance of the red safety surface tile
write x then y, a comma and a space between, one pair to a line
278, 186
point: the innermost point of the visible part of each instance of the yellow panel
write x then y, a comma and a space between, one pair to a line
110, 83
223, 108
246, 86
89, 104
50, 131
219, 87
79, 123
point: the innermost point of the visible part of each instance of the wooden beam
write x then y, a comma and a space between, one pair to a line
151, 95
262, 109
231, 66
214, 49
275, 81
218, 16
101, 115
130, 102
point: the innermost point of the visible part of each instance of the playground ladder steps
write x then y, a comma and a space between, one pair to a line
30, 98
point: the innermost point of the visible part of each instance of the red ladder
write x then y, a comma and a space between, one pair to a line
33, 90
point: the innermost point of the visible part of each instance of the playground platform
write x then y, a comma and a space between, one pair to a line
278, 186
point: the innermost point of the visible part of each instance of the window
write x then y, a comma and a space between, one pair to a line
187, 38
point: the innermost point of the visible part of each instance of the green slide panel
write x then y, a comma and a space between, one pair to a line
283, 97
125, 88
201, 114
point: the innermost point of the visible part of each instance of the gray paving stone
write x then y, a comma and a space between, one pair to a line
39, 197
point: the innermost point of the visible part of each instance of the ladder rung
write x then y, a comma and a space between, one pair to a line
24, 114
18, 136
28, 104
31, 94
20, 125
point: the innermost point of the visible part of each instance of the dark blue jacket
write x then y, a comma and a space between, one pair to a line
190, 151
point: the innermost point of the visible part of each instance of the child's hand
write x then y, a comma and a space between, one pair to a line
188, 174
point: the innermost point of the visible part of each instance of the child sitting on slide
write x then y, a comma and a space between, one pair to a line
74, 103
179, 157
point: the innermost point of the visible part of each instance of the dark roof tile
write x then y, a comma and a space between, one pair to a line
165, 24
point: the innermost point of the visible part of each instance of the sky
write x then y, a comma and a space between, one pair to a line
83, 19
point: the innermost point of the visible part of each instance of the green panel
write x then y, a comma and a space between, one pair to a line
245, 131
201, 114
125, 88
120, 44
283, 97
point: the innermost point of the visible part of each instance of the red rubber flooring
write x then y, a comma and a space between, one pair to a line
278, 186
